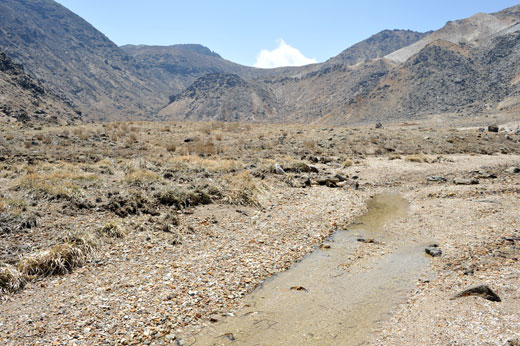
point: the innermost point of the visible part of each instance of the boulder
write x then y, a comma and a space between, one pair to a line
482, 291
493, 128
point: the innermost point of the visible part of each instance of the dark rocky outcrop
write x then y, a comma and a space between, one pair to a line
24, 99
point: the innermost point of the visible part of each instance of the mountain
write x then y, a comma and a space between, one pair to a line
244, 100
467, 67
24, 99
178, 66
75, 61
377, 46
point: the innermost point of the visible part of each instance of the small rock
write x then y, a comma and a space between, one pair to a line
278, 169
170, 337
188, 140
379, 126
462, 181
299, 288
433, 250
513, 170
328, 181
493, 128
230, 336
436, 178
482, 291
513, 342
368, 241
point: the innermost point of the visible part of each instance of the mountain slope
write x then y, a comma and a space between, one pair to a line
377, 46
467, 67
180, 65
24, 99
75, 61
244, 100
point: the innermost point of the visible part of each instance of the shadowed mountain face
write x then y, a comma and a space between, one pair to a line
180, 65
75, 61
244, 100
24, 99
467, 67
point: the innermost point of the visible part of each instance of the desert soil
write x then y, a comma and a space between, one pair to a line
207, 216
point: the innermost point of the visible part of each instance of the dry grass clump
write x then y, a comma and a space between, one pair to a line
347, 163
170, 147
192, 162
202, 148
60, 259
421, 158
241, 189
112, 230
139, 177
309, 144
394, 156
11, 280
181, 198
60, 183
418, 158
3, 205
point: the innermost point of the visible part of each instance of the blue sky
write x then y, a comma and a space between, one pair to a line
240, 29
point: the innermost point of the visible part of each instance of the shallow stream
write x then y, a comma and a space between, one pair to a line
317, 301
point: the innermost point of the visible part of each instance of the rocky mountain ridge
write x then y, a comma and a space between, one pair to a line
24, 99
467, 67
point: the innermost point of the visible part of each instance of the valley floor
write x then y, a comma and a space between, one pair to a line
149, 233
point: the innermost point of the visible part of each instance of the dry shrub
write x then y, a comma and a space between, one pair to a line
3, 205
28, 144
181, 198
60, 259
55, 184
170, 147
218, 137
309, 144
232, 127
415, 158
203, 148
9, 136
84, 135
130, 141
11, 280
419, 158
141, 176
39, 136
241, 189
112, 230
394, 156
47, 140
192, 162
347, 163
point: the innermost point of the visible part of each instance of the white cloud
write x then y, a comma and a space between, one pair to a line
284, 55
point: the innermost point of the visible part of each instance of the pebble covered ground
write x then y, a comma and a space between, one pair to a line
161, 281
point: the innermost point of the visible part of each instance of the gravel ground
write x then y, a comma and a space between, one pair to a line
152, 286
143, 289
